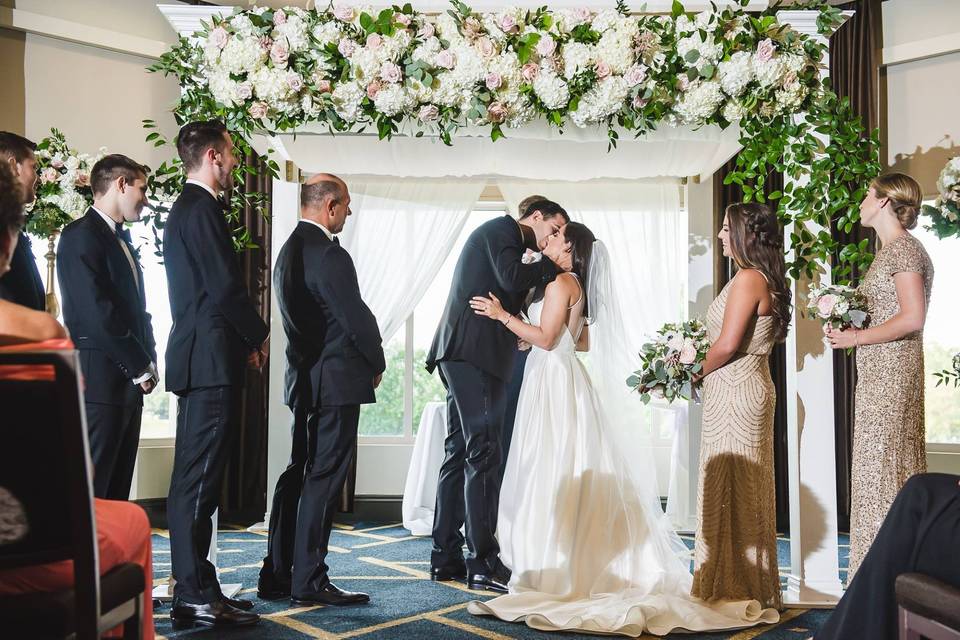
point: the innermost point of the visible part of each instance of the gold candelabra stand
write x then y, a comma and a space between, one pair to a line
52, 305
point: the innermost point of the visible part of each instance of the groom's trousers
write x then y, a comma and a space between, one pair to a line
469, 488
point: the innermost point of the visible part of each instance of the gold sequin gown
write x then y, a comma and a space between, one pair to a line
888, 434
736, 544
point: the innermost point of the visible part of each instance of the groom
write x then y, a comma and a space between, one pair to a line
475, 358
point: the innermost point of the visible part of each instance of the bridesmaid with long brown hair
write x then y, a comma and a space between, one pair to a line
889, 439
736, 543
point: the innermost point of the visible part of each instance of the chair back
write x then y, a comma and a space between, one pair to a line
45, 465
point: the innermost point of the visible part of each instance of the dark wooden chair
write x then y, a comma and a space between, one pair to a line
927, 608
45, 465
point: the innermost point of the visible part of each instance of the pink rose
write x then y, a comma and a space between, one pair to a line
683, 82
639, 102
826, 304
57, 163
49, 175
402, 19
343, 14
764, 51
493, 81
258, 110
373, 89
602, 69
429, 113
295, 82
323, 86
346, 47
265, 42
497, 112
446, 59
390, 72
486, 47
82, 179
530, 71
279, 17
244, 90
507, 23
688, 355
426, 31
645, 41
546, 46
279, 52
218, 37
374, 41
635, 75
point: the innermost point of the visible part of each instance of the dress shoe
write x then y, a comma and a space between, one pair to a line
272, 591
453, 571
330, 595
492, 581
237, 603
217, 614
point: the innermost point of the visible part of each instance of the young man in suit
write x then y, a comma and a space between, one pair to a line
22, 284
334, 362
104, 308
475, 360
216, 333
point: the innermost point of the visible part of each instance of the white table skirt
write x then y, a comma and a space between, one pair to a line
420, 492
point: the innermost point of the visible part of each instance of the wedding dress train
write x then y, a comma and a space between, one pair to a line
588, 550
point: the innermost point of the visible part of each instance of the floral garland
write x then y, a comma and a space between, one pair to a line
945, 213
64, 193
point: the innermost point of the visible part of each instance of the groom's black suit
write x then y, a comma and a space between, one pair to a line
334, 353
475, 356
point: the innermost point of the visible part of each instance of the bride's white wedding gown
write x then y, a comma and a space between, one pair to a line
587, 553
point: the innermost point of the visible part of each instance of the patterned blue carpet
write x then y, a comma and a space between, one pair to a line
393, 567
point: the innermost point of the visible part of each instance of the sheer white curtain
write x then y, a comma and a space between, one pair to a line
399, 235
645, 231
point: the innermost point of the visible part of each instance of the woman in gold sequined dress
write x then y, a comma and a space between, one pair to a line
888, 433
736, 543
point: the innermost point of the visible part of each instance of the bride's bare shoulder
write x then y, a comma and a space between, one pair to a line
564, 285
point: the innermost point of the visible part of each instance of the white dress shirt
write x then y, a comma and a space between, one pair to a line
317, 224
205, 186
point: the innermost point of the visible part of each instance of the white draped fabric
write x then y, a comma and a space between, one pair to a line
420, 490
399, 236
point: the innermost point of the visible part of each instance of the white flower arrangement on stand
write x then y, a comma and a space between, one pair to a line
945, 213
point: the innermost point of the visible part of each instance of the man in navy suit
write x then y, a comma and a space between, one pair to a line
22, 284
334, 362
104, 308
216, 332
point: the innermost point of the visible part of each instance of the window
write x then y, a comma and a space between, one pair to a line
407, 387
941, 340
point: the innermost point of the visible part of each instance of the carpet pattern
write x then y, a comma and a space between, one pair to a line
393, 567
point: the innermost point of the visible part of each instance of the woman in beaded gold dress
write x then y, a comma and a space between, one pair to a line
736, 543
888, 432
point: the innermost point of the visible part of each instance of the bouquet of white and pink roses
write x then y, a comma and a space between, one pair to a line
945, 213
838, 306
670, 361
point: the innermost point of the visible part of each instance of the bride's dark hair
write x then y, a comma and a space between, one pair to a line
581, 241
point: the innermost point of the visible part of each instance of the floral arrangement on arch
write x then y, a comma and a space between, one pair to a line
63, 191
945, 213
264, 69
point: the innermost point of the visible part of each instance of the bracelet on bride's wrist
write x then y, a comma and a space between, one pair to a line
506, 322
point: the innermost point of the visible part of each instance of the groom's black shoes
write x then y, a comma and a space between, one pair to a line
219, 614
453, 571
330, 595
491, 581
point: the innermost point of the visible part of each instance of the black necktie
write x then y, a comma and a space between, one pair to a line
121, 232
336, 241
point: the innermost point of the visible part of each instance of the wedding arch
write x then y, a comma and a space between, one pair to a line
573, 94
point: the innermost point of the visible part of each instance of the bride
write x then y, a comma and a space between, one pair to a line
580, 522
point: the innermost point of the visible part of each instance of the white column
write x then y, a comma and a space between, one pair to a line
814, 579
698, 197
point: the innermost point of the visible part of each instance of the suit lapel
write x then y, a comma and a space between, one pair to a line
118, 259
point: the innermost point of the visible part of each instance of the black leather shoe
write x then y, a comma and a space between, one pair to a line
493, 581
217, 614
457, 571
237, 603
267, 591
330, 595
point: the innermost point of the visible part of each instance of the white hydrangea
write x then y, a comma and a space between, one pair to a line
242, 25
520, 112
507, 66
427, 51
734, 111
489, 22
699, 102
392, 100
69, 201
790, 97
223, 88
793, 62
616, 49
577, 57
469, 68
347, 98
736, 73
606, 19
565, 20
295, 31
710, 51
451, 93
551, 89
394, 46
708, 21
327, 33
242, 55
420, 92
310, 108
683, 24
364, 64
603, 100
447, 28
949, 178
272, 86
770, 72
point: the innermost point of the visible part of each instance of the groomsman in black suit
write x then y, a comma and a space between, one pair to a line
475, 359
22, 284
104, 308
216, 333
334, 362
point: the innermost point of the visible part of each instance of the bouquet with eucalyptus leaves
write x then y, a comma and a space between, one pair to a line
64, 192
670, 361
